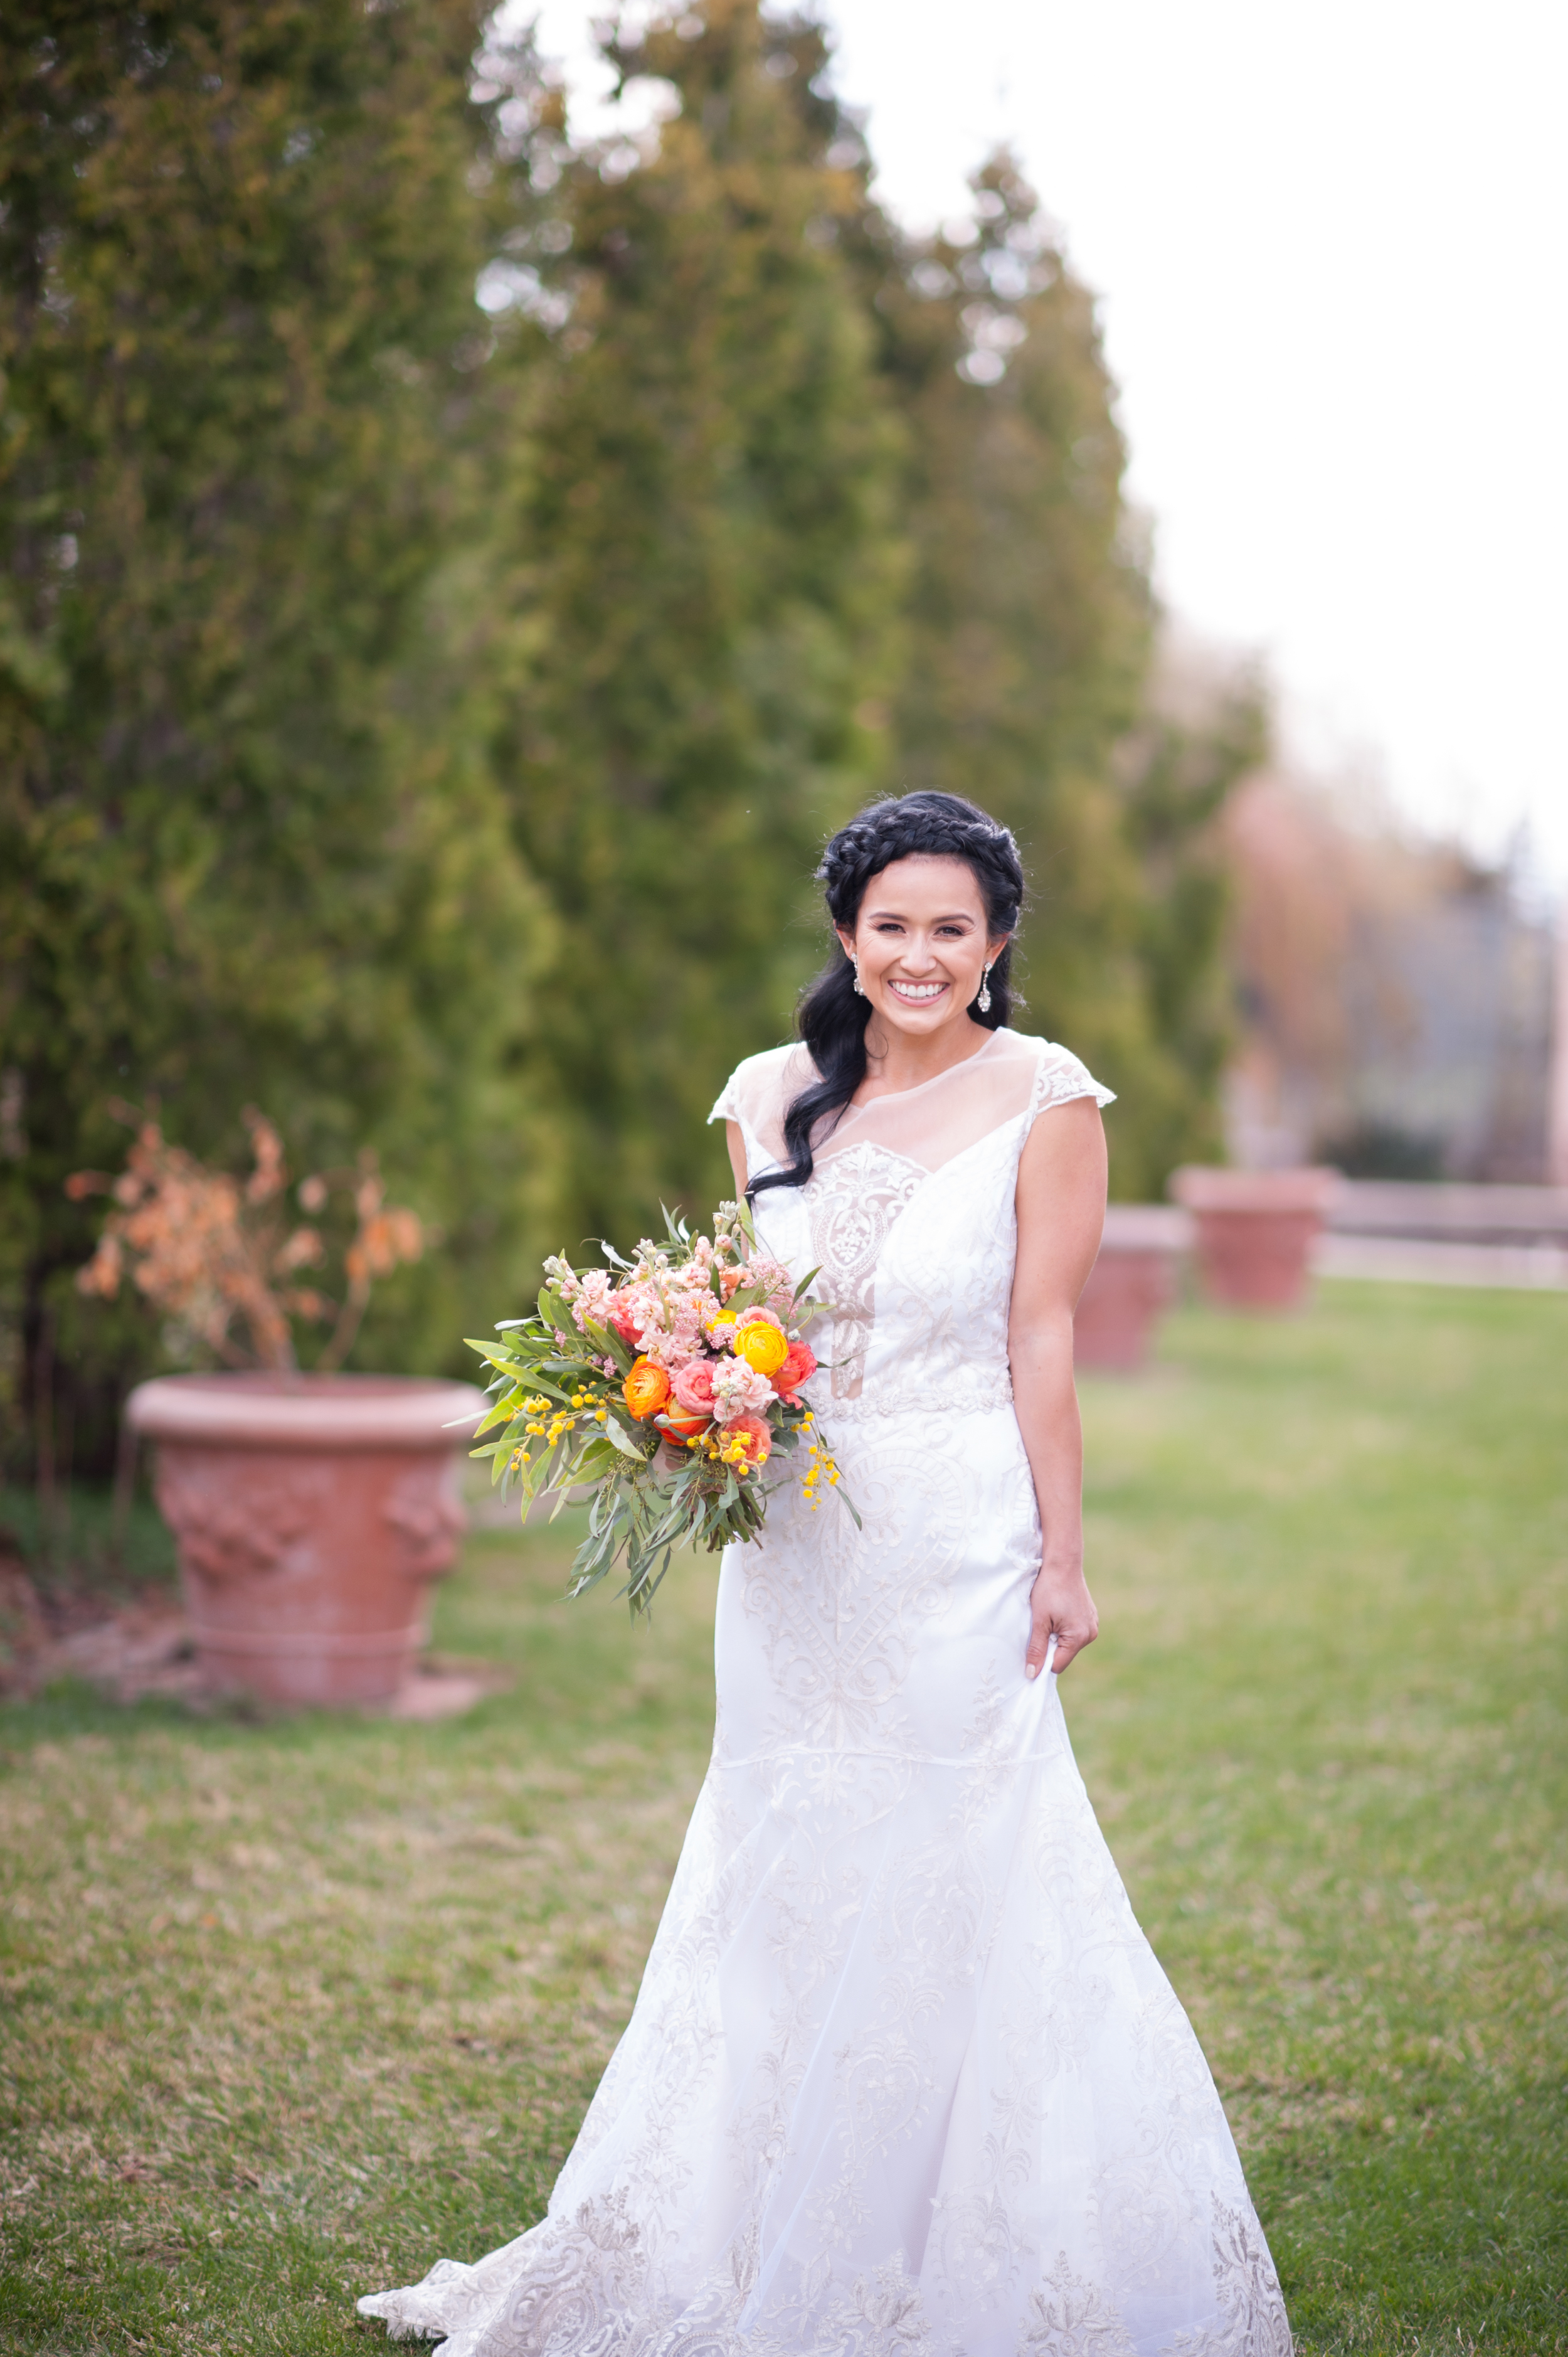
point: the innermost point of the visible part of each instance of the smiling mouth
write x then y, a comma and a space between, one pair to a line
918, 994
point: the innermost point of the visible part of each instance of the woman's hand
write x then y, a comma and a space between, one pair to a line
1060, 1606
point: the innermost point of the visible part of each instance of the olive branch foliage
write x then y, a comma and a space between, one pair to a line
643, 1505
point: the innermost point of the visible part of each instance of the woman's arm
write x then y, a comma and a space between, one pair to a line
1061, 1210
736, 1144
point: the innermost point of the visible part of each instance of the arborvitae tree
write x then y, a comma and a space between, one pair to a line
249, 848
747, 504
1029, 617
712, 562
1028, 632
1200, 734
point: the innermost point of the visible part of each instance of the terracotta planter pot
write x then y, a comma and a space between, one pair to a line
311, 1514
1256, 1229
1130, 1286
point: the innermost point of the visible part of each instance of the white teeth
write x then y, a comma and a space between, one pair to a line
919, 989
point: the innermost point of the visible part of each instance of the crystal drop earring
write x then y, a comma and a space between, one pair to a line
983, 1001
859, 986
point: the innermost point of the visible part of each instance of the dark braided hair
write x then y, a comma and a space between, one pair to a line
832, 1016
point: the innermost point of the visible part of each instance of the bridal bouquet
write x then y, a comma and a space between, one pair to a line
663, 1386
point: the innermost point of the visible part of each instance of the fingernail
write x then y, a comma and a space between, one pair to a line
1030, 1670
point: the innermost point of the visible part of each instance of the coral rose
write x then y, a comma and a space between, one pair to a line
753, 1433
647, 1388
762, 1343
799, 1365
693, 1386
681, 1425
620, 1320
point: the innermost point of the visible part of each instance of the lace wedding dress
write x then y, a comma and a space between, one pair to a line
904, 2078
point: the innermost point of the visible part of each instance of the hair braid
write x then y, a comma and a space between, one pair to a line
832, 1017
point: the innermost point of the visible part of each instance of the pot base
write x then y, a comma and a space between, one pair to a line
309, 1666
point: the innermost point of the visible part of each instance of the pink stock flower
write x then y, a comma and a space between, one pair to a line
684, 1332
591, 1298
777, 1278
738, 1390
563, 1276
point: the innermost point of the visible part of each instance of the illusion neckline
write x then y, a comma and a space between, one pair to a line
898, 1096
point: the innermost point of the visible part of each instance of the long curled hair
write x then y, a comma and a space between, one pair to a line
832, 1017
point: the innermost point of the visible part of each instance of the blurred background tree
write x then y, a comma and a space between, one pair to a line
1029, 679
709, 545
249, 843
421, 718
1202, 731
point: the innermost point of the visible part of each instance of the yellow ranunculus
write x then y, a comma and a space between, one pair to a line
762, 1346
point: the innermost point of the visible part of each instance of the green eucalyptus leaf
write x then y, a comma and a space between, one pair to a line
608, 1345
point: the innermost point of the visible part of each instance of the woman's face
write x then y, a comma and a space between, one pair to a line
921, 943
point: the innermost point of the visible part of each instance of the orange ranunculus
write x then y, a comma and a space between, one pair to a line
762, 1344
731, 1280
797, 1368
753, 1430
647, 1388
680, 1424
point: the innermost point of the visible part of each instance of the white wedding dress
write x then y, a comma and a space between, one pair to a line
904, 2078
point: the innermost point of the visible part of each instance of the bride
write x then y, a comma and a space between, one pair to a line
904, 2078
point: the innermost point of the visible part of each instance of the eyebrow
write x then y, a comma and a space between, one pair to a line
956, 916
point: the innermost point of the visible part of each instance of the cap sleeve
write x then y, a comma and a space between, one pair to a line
758, 1095
727, 1105
1060, 1077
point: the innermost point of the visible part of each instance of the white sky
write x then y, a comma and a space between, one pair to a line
1329, 244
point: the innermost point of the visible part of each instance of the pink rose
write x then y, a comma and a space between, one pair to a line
693, 1386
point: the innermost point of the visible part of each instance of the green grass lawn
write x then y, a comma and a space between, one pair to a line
288, 2010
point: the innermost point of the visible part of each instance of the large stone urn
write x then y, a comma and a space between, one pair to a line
1130, 1286
311, 1514
1255, 1230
